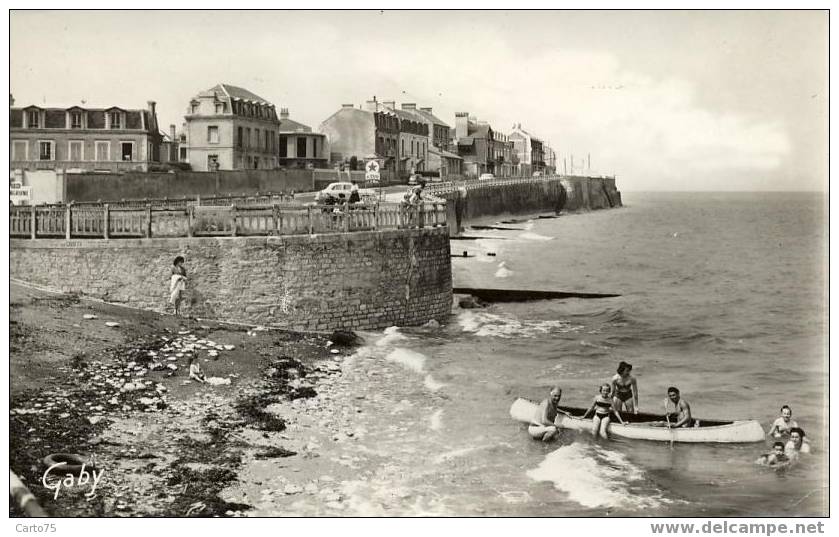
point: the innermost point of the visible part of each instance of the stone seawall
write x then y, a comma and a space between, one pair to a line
362, 280
512, 197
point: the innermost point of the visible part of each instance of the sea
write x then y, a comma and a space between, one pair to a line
723, 295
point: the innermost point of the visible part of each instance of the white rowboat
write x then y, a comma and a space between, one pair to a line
639, 426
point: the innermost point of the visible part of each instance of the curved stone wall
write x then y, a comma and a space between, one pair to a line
302, 282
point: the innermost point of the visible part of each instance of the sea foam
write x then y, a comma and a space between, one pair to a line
596, 477
412, 360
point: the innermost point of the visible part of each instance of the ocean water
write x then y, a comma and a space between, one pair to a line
722, 295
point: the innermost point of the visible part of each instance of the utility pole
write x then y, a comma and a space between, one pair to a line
572, 164
564, 166
589, 162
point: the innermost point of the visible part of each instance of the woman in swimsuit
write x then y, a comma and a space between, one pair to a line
625, 388
603, 411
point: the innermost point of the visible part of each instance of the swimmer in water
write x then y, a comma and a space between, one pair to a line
797, 443
782, 426
625, 388
777, 458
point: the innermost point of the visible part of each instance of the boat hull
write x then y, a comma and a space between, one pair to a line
743, 431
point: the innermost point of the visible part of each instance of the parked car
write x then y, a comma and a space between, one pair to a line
486, 177
537, 174
341, 191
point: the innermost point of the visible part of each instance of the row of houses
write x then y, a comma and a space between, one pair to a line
230, 128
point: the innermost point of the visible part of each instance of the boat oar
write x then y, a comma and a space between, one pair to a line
667, 417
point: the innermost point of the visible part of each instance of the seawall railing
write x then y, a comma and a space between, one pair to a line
448, 187
104, 221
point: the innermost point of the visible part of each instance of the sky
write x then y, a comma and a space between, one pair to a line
664, 100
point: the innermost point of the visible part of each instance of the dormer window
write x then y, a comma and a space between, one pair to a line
219, 108
33, 117
75, 120
115, 119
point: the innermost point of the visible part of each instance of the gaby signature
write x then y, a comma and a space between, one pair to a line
71, 480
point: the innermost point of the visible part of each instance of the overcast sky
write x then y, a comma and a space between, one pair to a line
664, 100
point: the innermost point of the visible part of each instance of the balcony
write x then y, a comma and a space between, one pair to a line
88, 166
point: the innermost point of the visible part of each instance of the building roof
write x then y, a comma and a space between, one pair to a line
289, 125
431, 117
443, 152
235, 92
481, 131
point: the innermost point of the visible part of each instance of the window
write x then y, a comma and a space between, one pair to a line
183, 154
301, 147
314, 148
412, 147
127, 150
255, 163
193, 108
212, 163
283, 146
212, 134
103, 150
219, 108
403, 146
46, 152
75, 120
33, 118
20, 150
239, 137
115, 119
247, 137
256, 143
76, 150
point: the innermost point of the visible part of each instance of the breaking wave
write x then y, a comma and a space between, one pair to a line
596, 477
488, 324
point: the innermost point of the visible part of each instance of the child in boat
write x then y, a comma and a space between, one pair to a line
195, 372
625, 389
778, 457
543, 427
797, 443
782, 426
603, 411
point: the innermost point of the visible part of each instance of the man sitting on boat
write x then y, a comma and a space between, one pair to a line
542, 425
680, 416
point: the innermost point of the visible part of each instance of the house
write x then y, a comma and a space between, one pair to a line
483, 149
377, 131
230, 128
439, 138
413, 139
449, 165
529, 150
299, 146
169, 146
83, 138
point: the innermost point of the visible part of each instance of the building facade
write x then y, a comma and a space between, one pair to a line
299, 146
80, 138
230, 128
377, 131
531, 152
483, 149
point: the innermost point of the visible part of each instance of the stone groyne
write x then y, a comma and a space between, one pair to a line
360, 280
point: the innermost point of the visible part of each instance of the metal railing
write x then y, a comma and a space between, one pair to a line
107, 222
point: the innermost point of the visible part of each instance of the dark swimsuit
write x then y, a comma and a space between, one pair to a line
623, 391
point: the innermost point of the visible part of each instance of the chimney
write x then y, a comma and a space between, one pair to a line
347, 105
461, 124
172, 132
283, 113
426, 110
151, 107
389, 104
371, 106
409, 106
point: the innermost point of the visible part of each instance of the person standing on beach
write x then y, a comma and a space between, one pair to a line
625, 389
177, 284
